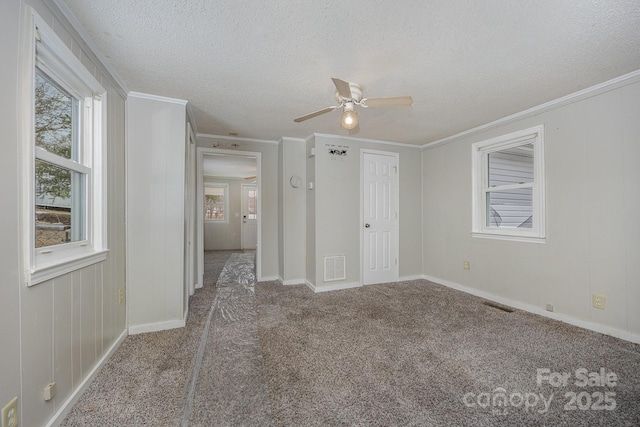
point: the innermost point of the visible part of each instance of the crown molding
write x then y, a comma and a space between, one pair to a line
158, 98
192, 119
373, 141
289, 138
589, 92
236, 139
82, 33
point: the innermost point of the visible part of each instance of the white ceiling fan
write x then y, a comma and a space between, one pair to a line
349, 95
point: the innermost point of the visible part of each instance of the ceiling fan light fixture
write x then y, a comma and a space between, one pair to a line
349, 116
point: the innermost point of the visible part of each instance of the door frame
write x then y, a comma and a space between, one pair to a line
201, 152
243, 202
396, 197
190, 216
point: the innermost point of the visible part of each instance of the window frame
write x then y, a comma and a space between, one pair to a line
480, 186
225, 188
44, 50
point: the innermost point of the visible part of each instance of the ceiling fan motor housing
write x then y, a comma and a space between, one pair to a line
356, 94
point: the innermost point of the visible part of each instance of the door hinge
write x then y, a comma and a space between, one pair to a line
396, 261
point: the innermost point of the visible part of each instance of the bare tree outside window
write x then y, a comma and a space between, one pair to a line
55, 186
214, 203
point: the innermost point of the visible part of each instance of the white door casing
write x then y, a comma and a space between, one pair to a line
200, 153
248, 230
379, 189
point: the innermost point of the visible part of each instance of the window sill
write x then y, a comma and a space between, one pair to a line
49, 272
515, 238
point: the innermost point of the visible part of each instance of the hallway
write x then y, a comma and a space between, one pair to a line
158, 378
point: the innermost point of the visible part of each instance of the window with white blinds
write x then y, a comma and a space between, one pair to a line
508, 186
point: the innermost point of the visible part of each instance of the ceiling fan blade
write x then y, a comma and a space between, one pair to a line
394, 101
314, 114
343, 88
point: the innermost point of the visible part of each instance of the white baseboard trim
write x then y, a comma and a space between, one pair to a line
155, 327
336, 287
596, 327
75, 395
198, 286
268, 279
407, 278
310, 285
292, 282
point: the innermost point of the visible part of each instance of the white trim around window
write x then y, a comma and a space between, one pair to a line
43, 50
527, 183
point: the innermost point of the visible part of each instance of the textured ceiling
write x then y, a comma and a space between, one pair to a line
251, 67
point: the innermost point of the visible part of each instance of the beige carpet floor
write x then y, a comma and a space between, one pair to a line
403, 354
419, 354
146, 381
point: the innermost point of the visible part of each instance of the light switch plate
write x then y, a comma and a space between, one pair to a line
10, 414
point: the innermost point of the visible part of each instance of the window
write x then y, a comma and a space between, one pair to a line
508, 186
63, 159
251, 204
215, 202
60, 178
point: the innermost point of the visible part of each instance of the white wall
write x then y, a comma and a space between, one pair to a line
155, 212
10, 286
60, 329
592, 148
293, 215
337, 206
281, 211
225, 235
310, 212
269, 152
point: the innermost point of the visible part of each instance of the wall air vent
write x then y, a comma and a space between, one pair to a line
498, 306
335, 268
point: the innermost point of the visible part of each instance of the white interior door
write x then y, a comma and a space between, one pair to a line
249, 230
380, 217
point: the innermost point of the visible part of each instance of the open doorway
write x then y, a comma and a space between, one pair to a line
229, 205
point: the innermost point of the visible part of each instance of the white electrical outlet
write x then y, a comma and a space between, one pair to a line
10, 414
550, 307
599, 301
49, 391
466, 265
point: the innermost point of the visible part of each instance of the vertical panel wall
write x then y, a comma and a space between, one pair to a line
293, 213
310, 213
10, 285
155, 214
56, 331
592, 147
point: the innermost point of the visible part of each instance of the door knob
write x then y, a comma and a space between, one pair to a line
367, 225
